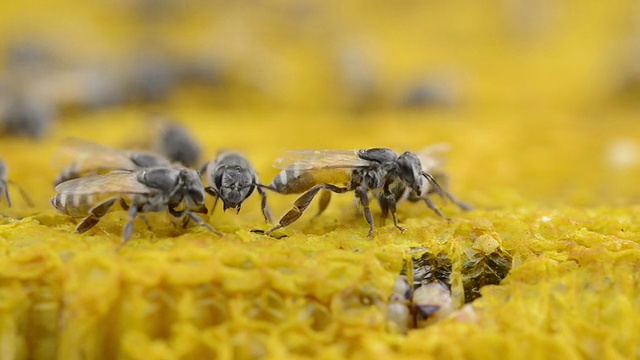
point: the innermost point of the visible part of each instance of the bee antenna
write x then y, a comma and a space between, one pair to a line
433, 182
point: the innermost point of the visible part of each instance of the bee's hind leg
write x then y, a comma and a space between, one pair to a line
323, 203
95, 214
302, 203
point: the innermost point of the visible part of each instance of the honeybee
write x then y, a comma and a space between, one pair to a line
309, 172
175, 143
398, 310
431, 303
180, 191
89, 158
432, 160
232, 179
4, 188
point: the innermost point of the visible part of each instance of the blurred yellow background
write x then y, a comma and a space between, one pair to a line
539, 100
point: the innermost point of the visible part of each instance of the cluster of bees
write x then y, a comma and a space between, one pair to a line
421, 294
162, 179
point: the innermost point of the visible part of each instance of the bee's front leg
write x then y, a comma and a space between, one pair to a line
266, 212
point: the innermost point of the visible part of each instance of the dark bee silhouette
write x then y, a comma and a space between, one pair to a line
180, 191
175, 143
360, 171
4, 189
232, 179
81, 158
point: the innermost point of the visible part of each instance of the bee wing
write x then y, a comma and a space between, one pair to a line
320, 159
433, 156
88, 156
117, 182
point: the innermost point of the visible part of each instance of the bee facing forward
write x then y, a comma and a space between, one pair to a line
82, 158
180, 191
342, 171
4, 188
232, 179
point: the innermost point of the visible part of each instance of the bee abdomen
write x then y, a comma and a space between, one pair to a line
73, 205
292, 181
68, 173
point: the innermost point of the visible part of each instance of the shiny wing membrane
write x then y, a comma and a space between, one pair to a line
89, 156
119, 182
320, 160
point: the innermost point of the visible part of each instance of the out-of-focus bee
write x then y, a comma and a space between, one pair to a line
232, 179
180, 191
175, 143
4, 188
432, 160
427, 93
27, 114
431, 303
311, 171
398, 307
88, 158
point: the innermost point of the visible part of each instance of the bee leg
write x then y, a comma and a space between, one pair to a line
266, 212
23, 193
128, 228
433, 206
389, 200
325, 199
302, 203
95, 214
200, 222
5, 190
462, 205
146, 222
362, 194
384, 207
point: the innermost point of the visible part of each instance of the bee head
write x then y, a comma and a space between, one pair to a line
3, 170
193, 189
410, 167
234, 184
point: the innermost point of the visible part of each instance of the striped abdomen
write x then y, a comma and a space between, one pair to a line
68, 173
78, 205
295, 181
